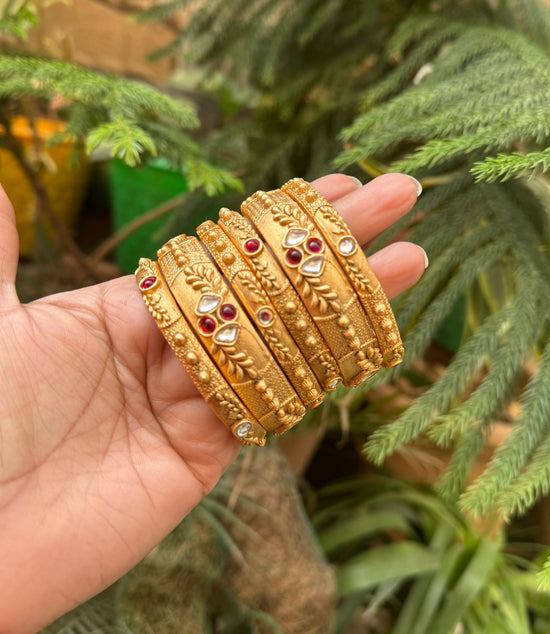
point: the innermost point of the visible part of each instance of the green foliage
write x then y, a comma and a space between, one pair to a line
17, 17
457, 94
403, 549
465, 91
125, 119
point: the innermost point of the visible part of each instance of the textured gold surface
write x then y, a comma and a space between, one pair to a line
285, 299
358, 270
209, 381
271, 309
240, 354
262, 313
329, 298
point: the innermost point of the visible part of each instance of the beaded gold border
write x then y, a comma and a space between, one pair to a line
284, 297
210, 383
354, 262
317, 277
261, 311
240, 354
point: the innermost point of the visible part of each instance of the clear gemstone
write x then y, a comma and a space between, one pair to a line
366, 377
243, 429
208, 303
347, 245
313, 265
333, 384
227, 334
294, 237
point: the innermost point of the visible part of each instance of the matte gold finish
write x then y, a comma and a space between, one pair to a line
356, 265
234, 345
284, 308
286, 300
334, 305
262, 312
215, 390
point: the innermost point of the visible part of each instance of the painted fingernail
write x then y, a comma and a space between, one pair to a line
426, 260
416, 184
357, 182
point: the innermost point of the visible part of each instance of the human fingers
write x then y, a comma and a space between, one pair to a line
9, 252
370, 209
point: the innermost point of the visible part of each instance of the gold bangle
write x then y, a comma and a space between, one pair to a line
210, 383
354, 262
286, 300
262, 312
286, 306
226, 332
316, 274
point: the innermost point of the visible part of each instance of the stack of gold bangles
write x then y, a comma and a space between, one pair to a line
271, 309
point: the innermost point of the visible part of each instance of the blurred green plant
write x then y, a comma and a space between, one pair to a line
402, 551
125, 119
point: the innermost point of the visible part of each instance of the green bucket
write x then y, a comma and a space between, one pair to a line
135, 191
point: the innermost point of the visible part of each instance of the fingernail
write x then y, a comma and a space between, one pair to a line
357, 182
417, 184
426, 260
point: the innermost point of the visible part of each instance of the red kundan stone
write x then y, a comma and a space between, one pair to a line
314, 245
228, 312
207, 325
293, 256
252, 246
147, 282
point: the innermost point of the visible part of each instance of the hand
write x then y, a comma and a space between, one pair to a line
105, 444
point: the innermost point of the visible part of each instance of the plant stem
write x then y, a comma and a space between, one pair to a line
113, 241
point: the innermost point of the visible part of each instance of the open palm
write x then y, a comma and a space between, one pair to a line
105, 444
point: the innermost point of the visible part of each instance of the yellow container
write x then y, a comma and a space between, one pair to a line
65, 184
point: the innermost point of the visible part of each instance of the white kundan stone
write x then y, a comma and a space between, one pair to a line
208, 303
227, 334
313, 265
347, 245
243, 429
295, 236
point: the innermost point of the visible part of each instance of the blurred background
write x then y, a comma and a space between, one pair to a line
416, 504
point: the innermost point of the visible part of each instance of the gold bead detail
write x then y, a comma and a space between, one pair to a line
228, 258
290, 307
300, 373
380, 309
343, 321
179, 339
355, 344
219, 245
386, 324
191, 358
361, 356
301, 325
349, 333
204, 377
311, 341
392, 337
261, 386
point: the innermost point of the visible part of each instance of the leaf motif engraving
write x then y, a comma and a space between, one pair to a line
154, 304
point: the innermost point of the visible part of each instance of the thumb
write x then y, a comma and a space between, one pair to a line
9, 250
